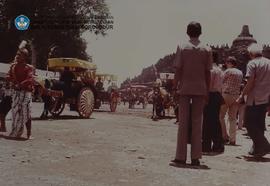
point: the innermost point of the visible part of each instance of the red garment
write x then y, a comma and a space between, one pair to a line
21, 76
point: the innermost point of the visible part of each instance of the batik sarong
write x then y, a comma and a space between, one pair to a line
21, 112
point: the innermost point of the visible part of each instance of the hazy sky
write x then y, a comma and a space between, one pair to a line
147, 30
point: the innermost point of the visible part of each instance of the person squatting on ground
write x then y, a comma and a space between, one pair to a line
212, 134
5, 106
232, 79
257, 90
21, 77
193, 63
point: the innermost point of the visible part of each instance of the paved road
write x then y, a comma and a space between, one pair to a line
121, 149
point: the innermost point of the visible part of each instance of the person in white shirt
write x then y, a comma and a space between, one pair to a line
257, 90
212, 140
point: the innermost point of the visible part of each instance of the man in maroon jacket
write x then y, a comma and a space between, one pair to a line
193, 63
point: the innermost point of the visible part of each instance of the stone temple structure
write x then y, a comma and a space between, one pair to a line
240, 45
244, 39
238, 49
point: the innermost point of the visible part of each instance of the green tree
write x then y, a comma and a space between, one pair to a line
69, 41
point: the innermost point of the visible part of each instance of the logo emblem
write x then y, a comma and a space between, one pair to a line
22, 22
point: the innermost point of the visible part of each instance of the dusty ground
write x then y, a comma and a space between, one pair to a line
122, 149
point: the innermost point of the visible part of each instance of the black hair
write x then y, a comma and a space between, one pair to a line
231, 60
194, 29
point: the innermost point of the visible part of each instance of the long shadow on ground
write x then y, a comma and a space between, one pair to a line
188, 166
62, 117
256, 159
13, 138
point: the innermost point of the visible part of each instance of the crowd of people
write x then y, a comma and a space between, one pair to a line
210, 95
212, 102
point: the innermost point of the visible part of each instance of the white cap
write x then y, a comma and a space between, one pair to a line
255, 48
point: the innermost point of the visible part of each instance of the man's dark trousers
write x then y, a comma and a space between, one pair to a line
211, 124
255, 123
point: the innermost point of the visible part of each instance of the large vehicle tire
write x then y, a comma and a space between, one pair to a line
86, 102
57, 106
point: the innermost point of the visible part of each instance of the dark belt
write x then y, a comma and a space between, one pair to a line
229, 93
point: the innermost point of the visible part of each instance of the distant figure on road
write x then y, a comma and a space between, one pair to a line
168, 84
158, 103
107, 85
193, 63
131, 99
99, 85
46, 99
